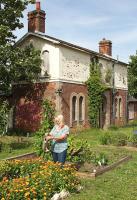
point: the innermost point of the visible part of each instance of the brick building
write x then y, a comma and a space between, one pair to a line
68, 68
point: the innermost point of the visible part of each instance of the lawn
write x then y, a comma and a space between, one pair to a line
118, 184
14, 146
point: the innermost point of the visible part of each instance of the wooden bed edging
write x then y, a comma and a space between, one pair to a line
23, 156
103, 170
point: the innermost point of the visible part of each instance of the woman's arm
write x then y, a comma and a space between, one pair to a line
61, 138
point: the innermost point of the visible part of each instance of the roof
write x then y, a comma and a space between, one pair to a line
64, 43
132, 99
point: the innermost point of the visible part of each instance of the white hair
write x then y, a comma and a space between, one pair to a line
60, 118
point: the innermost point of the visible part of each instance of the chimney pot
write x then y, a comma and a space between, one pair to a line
37, 5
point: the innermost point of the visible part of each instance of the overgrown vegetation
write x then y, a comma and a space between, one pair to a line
47, 123
132, 76
96, 89
4, 111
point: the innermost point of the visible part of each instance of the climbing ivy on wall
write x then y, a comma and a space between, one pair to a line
96, 89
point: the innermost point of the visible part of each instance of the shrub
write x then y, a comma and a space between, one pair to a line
105, 138
115, 138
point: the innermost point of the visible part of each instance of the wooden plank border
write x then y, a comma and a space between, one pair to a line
103, 170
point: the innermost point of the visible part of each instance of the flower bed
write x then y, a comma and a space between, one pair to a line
35, 179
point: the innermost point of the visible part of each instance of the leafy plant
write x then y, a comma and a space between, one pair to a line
96, 89
46, 125
4, 111
100, 159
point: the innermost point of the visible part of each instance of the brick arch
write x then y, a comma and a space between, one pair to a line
78, 96
83, 106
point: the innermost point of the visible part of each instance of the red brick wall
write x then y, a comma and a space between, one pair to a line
68, 89
123, 119
27, 99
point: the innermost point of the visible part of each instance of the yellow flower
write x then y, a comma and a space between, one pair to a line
27, 194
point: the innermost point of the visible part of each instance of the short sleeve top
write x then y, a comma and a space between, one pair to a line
59, 146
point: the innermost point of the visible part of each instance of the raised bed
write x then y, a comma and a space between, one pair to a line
22, 157
104, 169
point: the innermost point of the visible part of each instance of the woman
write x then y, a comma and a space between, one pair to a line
59, 135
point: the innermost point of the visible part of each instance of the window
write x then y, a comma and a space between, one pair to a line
81, 108
131, 111
77, 108
118, 107
74, 102
45, 63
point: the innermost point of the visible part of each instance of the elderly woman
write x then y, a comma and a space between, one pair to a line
59, 135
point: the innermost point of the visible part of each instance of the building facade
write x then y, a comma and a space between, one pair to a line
68, 68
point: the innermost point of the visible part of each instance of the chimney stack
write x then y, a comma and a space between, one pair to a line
36, 20
105, 47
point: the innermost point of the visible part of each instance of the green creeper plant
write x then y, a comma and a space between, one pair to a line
95, 89
47, 123
132, 76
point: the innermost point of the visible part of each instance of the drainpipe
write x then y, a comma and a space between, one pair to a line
113, 94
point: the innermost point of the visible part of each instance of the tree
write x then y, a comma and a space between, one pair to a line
132, 76
16, 64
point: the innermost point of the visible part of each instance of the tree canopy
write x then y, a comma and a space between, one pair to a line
16, 64
132, 76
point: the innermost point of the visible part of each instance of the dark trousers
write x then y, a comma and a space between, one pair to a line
59, 157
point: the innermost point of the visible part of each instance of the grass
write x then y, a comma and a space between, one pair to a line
21, 145
4, 155
118, 184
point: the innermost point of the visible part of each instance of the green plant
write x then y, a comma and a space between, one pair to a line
4, 111
113, 127
105, 138
96, 89
46, 125
100, 159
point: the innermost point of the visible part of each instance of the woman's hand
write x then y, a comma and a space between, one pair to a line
49, 137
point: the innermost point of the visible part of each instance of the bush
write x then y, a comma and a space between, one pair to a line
119, 139
115, 138
106, 138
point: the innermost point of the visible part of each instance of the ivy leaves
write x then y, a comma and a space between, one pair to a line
95, 91
132, 76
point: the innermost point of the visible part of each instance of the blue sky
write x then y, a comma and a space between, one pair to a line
86, 22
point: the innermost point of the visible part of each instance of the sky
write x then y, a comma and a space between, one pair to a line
86, 22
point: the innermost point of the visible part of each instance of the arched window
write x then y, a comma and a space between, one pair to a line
81, 109
77, 109
74, 106
45, 62
118, 107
